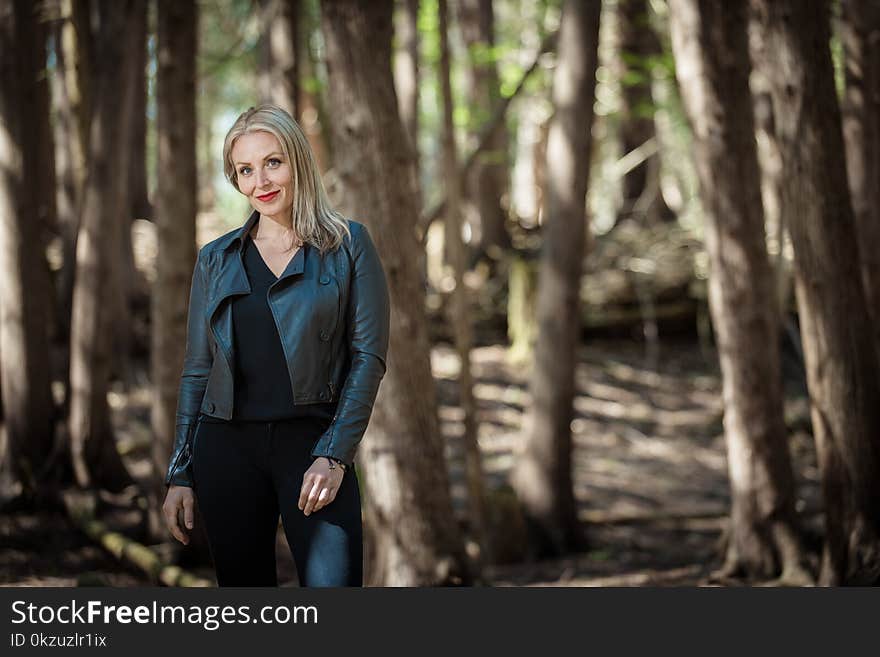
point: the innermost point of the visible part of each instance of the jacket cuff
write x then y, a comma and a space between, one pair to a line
180, 468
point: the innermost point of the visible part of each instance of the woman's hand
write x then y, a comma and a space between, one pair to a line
177, 498
320, 484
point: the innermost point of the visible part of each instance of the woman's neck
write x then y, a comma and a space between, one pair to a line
270, 229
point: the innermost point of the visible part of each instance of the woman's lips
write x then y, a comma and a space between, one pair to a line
268, 197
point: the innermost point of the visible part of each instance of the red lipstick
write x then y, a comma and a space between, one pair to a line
268, 197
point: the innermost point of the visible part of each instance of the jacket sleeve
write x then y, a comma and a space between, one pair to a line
193, 380
368, 319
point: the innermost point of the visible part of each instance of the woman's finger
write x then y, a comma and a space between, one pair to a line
327, 495
171, 517
304, 492
312, 498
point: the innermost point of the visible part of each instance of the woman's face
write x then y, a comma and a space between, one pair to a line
264, 174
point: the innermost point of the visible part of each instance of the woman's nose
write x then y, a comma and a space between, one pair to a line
262, 177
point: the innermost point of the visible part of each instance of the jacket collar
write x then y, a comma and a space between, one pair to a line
236, 237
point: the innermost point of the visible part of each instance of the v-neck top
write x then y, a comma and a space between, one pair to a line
262, 389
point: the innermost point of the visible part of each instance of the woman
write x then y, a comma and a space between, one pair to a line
286, 344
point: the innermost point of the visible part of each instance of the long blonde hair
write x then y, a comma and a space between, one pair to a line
314, 221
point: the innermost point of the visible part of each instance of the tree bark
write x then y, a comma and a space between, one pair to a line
24, 275
177, 34
96, 460
710, 43
841, 360
411, 532
861, 130
542, 476
487, 180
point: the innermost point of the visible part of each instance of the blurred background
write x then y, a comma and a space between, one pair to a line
633, 249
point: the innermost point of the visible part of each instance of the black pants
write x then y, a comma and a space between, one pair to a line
244, 475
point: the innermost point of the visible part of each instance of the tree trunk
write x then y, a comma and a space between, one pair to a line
123, 283
770, 163
642, 199
841, 360
279, 74
24, 274
412, 536
542, 476
72, 108
710, 43
96, 460
175, 216
311, 108
460, 312
487, 181
139, 199
861, 129
406, 71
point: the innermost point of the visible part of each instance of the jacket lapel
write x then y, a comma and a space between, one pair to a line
231, 280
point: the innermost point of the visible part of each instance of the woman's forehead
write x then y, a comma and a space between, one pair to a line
255, 144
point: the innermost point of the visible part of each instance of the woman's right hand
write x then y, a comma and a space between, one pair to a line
177, 498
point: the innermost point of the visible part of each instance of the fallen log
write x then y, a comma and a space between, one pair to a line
80, 507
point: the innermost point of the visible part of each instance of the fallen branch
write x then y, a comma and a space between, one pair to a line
80, 509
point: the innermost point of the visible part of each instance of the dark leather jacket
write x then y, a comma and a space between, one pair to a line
333, 316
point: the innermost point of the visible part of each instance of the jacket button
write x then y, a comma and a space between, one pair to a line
325, 336
325, 279
210, 407
323, 395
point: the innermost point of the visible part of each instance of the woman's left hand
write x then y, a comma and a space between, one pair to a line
320, 484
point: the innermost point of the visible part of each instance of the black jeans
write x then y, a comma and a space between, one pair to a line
247, 473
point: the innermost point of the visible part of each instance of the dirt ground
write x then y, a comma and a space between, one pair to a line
650, 472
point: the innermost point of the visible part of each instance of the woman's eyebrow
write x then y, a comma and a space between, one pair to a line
264, 159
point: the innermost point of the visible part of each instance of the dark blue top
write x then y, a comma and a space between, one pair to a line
262, 389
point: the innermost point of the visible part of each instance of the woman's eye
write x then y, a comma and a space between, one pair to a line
244, 170
275, 160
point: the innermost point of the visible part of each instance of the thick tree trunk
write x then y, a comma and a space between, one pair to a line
642, 199
861, 129
710, 42
460, 306
96, 460
175, 216
542, 476
841, 360
279, 61
312, 114
406, 70
412, 536
24, 274
487, 180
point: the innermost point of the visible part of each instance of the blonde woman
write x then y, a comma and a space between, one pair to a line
286, 344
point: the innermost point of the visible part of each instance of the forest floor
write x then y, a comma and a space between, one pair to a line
650, 474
